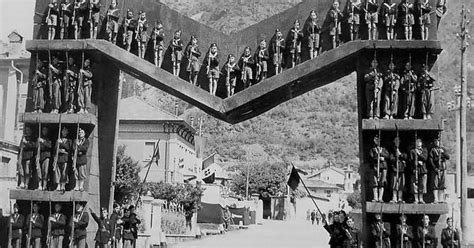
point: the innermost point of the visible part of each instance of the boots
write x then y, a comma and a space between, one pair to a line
380, 195
420, 198
394, 197
376, 195
400, 197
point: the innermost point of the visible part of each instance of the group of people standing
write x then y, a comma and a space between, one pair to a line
250, 68
65, 86
392, 95
64, 155
118, 230
415, 170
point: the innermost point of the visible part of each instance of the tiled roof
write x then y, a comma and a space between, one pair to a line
316, 183
134, 108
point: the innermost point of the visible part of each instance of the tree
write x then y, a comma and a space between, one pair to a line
265, 179
354, 200
127, 181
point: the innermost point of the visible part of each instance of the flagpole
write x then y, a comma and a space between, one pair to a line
304, 185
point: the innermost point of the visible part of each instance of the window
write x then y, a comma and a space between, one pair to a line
148, 151
328, 193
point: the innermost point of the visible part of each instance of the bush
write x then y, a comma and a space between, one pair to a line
354, 200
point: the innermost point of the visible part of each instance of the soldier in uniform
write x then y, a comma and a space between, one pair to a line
42, 168
335, 230
28, 147
66, 14
450, 235
352, 13
294, 43
212, 65
230, 69
177, 52
141, 35
425, 234
440, 11
58, 226
278, 47
404, 233
313, 30
373, 90
380, 232
56, 75
17, 222
408, 92
103, 236
378, 163
128, 238
39, 84
117, 224
157, 36
426, 83
261, 57
94, 17
389, 13
82, 145
113, 15
405, 14
84, 89
65, 149
134, 221
372, 18
192, 54
425, 18
52, 19
81, 221
335, 18
391, 85
437, 167
80, 12
352, 237
129, 25
35, 220
418, 157
397, 166
246, 63
70, 85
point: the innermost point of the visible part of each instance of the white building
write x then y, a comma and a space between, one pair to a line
342, 177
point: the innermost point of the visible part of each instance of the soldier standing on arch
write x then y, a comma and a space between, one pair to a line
212, 63
425, 234
27, 150
129, 25
380, 232
35, 223
397, 161
372, 18
404, 236
17, 222
79, 13
294, 43
425, 18
56, 75
113, 14
405, 13
39, 84
426, 83
65, 149
246, 63
450, 235
158, 35
66, 9
352, 13
177, 52
261, 57
373, 90
230, 70
418, 157
408, 92
52, 19
378, 163
42, 169
141, 34
278, 46
192, 54
389, 13
71, 84
437, 166
84, 89
335, 18
58, 226
313, 30
94, 17
391, 85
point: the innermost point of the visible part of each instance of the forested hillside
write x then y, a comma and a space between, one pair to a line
319, 125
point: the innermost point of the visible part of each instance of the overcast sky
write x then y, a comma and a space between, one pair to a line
16, 15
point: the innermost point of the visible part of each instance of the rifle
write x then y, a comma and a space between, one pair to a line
401, 233
28, 235
80, 82
229, 67
381, 230
50, 78
74, 158
379, 150
259, 66
277, 59
20, 158
89, 20
48, 16
56, 153
396, 161
416, 164
10, 225
71, 238
38, 147
48, 236
208, 61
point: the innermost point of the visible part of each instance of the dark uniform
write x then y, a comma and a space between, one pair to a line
66, 11
157, 36
58, 226
372, 18
28, 146
408, 92
352, 13
405, 15
52, 19
56, 72
313, 30
278, 47
113, 15
37, 222
128, 237
129, 26
418, 158
391, 85
380, 232
116, 229
440, 11
336, 232
407, 237
429, 239
81, 163
80, 13
450, 238
373, 91
426, 83
42, 169
398, 172
176, 53
94, 18
80, 229
84, 89
39, 84
294, 44
261, 58
389, 14
246, 63
192, 54
61, 170
104, 230
335, 18
212, 63
141, 35
230, 70
17, 222
425, 18
378, 163
70, 86
437, 168
352, 238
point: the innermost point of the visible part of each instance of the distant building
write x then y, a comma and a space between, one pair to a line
143, 127
345, 178
322, 188
209, 166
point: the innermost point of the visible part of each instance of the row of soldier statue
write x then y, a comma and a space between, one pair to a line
415, 170
64, 155
120, 229
250, 69
63, 84
399, 95
343, 233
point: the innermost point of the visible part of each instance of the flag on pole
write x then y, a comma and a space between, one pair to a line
294, 179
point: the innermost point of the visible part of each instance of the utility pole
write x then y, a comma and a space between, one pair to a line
464, 37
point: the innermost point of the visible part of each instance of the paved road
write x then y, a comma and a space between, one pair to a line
297, 233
